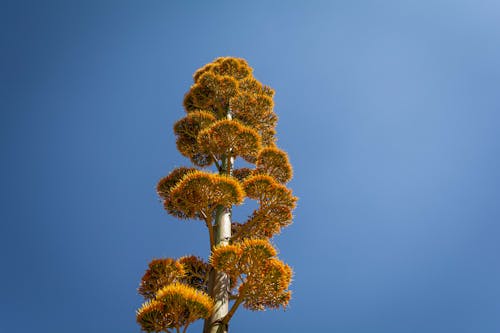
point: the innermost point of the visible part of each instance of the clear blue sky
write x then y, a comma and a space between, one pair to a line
390, 111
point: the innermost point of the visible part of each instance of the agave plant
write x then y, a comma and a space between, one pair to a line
229, 117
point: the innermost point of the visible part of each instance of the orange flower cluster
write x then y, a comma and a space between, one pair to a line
229, 138
161, 272
189, 193
176, 305
260, 279
184, 304
276, 204
196, 194
268, 287
187, 130
206, 135
254, 107
175, 292
215, 84
226, 85
166, 184
196, 272
152, 318
274, 162
242, 173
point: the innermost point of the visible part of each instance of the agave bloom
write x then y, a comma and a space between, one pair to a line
229, 138
187, 130
274, 162
152, 318
196, 272
161, 272
276, 204
261, 279
229, 120
176, 305
198, 194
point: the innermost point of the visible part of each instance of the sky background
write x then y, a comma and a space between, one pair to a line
389, 110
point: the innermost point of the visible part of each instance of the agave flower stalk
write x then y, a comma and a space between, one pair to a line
229, 117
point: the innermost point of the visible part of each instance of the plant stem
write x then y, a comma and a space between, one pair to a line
219, 281
231, 312
210, 233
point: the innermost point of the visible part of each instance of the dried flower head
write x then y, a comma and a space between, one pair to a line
198, 194
276, 204
242, 173
187, 129
151, 318
228, 84
196, 272
267, 286
274, 162
161, 272
166, 184
229, 138
264, 279
256, 111
226, 258
184, 304
254, 251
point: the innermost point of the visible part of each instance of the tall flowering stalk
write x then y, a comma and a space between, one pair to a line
229, 118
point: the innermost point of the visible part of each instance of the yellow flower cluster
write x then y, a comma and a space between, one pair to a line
255, 109
175, 305
198, 193
276, 204
166, 184
274, 162
185, 303
229, 138
215, 84
189, 193
267, 287
226, 85
264, 279
196, 272
161, 272
175, 292
187, 130
242, 173
206, 136
151, 317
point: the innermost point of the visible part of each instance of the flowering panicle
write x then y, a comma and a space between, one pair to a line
276, 204
187, 130
152, 318
229, 138
176, 305
274, 162
229, 118
161, 272
261, 280
197, 194
175, 293
184, 304
196, 272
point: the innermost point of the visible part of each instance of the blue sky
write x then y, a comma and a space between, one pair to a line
389, 111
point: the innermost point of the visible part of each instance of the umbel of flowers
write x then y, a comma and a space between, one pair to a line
229, 118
